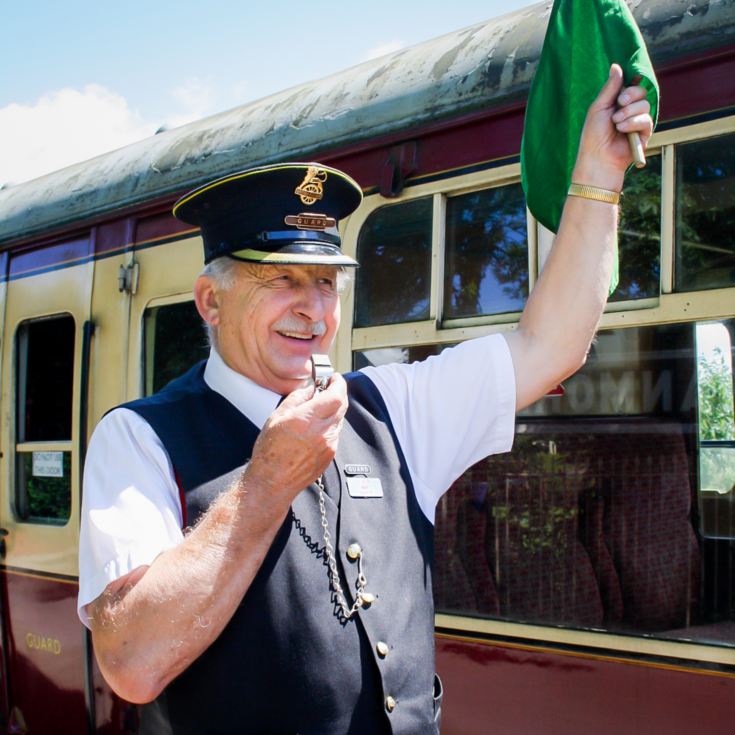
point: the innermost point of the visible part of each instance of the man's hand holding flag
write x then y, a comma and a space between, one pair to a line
573, 134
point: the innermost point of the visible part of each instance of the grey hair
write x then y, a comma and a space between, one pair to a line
223, 272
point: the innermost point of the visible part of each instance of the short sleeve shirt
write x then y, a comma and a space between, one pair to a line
448, 412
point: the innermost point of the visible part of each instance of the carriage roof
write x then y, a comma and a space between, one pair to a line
483, 66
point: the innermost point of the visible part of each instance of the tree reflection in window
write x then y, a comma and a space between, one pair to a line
394, 279
705, 214
639, 233
486, 265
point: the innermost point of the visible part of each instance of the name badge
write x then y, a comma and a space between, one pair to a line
357, 469
364, 487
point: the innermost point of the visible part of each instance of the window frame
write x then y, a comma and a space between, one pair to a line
531, 259
668, 307
706, 496
436, 330
699, 139
386, 205
147, 336
432, 330
55, 445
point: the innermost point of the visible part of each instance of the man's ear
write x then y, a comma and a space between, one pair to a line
206, 298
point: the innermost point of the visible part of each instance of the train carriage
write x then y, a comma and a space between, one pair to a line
586, 580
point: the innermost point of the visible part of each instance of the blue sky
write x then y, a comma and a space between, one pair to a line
80, 77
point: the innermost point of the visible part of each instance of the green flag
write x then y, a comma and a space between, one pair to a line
583, 39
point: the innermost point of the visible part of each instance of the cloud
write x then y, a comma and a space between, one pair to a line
196, 97
71, 125
383, 49
63, 127
240, 92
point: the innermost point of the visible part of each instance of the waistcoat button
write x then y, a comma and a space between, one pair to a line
390, 703
382, 648
354, 551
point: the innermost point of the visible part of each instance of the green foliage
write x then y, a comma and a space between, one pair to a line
487, 245
717, 469
46, 498
639, 233
715, 399
394, 280
541, 528
705, 213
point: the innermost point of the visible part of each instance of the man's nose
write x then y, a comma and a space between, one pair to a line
310, 303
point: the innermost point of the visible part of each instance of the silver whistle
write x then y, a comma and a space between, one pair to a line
321, 371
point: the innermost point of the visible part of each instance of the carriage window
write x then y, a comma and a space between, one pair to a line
639, 233
390, 355
716, 430
617, 379
591, 520
44, 390
394, 280
175, 340
705, 214
486, 267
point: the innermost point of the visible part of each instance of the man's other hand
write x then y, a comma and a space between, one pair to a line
300, 438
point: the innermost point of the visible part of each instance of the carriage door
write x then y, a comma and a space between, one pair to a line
47, 303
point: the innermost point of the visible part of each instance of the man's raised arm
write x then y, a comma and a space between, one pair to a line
563, 311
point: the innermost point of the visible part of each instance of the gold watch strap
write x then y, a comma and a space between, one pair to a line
594, 192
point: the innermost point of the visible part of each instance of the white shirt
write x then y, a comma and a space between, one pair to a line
448, 412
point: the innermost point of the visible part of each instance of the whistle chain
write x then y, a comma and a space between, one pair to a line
347, 611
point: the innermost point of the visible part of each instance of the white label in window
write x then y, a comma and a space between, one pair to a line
48, 464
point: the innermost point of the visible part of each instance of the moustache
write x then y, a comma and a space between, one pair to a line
315, 329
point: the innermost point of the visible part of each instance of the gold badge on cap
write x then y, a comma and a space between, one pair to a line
311, 188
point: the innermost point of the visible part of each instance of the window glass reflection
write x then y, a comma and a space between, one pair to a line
705, 214
393, 281
623, 375
44, 394
486, 266
591, 520
639, 233
175, 341
388, 355
716, 429
45, 354
43, 487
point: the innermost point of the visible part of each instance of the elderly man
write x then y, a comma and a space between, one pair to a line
297, 597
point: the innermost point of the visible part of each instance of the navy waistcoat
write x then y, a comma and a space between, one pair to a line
287, 663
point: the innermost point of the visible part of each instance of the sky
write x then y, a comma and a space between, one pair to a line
79, 78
